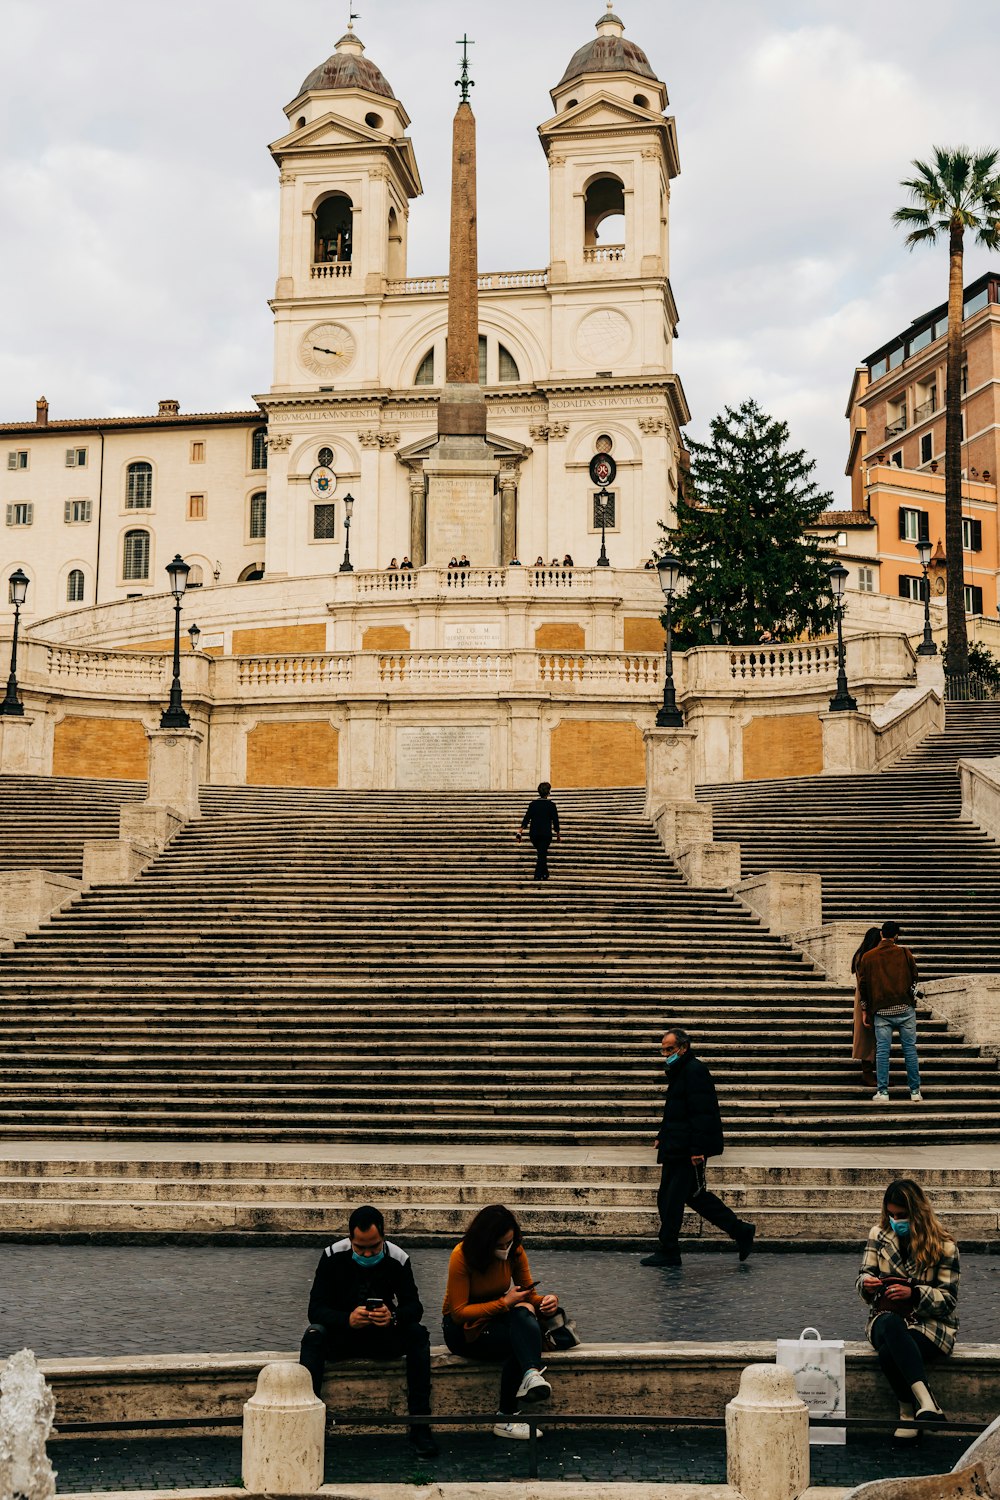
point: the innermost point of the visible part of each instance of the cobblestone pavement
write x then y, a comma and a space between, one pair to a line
76, 1300
596, 1455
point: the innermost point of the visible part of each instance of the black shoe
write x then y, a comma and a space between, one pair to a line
423, 1443
744, 1240
662, 1257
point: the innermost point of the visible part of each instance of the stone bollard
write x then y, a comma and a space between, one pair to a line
767, 1436
283, 1430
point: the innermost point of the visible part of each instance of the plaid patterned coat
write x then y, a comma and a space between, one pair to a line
934, 1311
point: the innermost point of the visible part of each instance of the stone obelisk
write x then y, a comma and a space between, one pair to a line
462, 505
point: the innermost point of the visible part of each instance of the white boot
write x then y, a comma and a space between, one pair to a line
927, 1408
906, 1414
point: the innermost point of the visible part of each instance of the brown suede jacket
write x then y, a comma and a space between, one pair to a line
886, 976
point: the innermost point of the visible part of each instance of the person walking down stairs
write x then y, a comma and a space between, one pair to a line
909, 1278
690, 1132
542, 821
863, 1050
887, 978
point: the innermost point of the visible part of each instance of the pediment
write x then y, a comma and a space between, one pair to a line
330, 129
599, 110
500, 447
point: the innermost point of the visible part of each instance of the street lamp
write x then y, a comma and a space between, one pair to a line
716, 625
195, 636
18, 593
927, 646
603, 501
841, 702
174, 715
345, 566
669, 571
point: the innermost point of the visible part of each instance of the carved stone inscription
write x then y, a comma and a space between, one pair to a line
460, 519
446, 757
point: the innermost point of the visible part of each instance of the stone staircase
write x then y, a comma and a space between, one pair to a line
304, 966
888, 845
45, 820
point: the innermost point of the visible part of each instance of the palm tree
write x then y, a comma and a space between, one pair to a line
958, 191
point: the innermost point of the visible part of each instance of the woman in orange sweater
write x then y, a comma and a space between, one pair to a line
490, 1308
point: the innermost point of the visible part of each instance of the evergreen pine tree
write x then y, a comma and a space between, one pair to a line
742, 515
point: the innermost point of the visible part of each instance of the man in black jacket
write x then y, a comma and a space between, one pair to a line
364, 1304
690, 1132
542, 821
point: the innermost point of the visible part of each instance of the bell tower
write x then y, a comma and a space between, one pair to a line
347, 175
612, 155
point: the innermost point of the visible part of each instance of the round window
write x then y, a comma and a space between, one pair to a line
325, 458
604, 443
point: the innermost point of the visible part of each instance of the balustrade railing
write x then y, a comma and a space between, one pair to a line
89, 666
445, 666
597, 253
396, 582
489, 281
559, 578
331, 268
474, 579
294, 671
601, 666
783, 662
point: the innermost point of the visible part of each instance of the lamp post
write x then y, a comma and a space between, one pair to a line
174, 715
194, 635
841, 702
18, 593
927, 646
669, 571
345, 566
716, 625
603, 499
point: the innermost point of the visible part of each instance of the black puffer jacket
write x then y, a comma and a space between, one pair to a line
691, 1125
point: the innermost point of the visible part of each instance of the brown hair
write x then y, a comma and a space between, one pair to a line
871, 940
928, 1236
480, 1239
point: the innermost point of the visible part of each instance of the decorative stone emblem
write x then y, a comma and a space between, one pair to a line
280, 442
370, 438
603, 337
652, 425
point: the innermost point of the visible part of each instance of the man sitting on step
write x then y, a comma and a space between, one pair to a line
364, 1304
690, 1132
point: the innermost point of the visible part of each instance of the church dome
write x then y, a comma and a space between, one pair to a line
348, 68
609, 52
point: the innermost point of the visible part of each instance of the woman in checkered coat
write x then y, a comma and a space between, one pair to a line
909, 1277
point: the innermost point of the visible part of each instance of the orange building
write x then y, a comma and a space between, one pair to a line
896, 461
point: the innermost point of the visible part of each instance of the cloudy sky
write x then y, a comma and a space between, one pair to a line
139, 224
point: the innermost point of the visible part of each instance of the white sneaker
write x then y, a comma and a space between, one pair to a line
515, 1432
880, 1098
534, 1387
916, 1097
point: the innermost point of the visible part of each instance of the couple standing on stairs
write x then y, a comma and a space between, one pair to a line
884, 1001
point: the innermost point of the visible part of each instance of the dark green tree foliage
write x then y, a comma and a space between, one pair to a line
741, 537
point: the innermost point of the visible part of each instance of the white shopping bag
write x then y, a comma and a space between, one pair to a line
820, 1381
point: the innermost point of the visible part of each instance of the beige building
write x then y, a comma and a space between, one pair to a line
574, 355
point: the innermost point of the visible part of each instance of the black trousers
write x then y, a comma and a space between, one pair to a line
541, 846
322, 1346
513, 1340
679, 1184
902, 1352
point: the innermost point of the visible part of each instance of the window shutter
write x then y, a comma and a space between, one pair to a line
977, 599
904, 587
977, 538
71, 458
10, 515
12, 460
29, 516
924, 525
68, 511
902, 523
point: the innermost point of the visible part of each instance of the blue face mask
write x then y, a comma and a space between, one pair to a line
668, 1062
900, 1226
368, 1260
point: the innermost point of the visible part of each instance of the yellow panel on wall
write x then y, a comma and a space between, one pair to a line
110, 749
643, 635
556, 637
782, 745
166, 645
279, 640
385, 638
293, 752
595, 752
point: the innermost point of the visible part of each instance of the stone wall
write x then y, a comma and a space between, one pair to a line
293, 752
109, 748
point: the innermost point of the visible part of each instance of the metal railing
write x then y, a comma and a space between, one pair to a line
893, 429
969, 687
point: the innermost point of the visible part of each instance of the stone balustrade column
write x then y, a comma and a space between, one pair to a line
508, 516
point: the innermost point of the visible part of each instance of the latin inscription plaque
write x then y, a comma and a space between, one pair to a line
443, 757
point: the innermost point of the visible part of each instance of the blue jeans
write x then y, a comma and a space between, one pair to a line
906, 1024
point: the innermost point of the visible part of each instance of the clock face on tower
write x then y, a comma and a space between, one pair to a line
603, 337
327, 349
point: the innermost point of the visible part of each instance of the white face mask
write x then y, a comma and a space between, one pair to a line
502, 1253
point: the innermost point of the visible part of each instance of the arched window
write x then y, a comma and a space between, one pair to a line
396, 263
258, 516
334, 221
139, 486
135, 557
259, 457
508, 365
253, 574
425, 370
74, 586
196, 576
604, 219
482, 359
